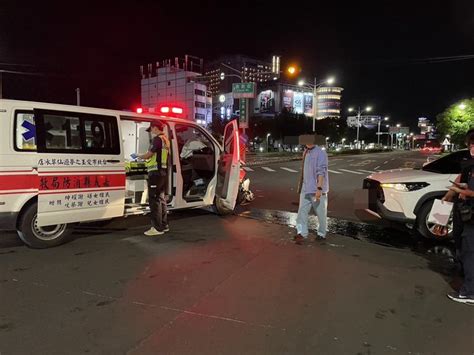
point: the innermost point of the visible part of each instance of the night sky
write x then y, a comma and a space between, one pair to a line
380, 52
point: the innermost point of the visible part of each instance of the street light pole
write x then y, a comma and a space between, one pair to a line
314, 87
359, 111
358, 125
241, 77
268, 135
378, 135
315, 104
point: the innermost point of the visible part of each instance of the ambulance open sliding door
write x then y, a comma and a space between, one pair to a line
80, 166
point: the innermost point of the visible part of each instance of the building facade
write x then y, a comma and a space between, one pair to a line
274, 97
175, 84
249, 69
329, 102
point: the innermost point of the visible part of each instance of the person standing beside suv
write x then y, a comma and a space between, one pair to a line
462, 193
313, 188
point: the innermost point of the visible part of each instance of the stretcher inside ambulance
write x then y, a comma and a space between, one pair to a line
61, 165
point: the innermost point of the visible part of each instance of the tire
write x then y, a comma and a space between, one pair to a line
41, 237
423, 226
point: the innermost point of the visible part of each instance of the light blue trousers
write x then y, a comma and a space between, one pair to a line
320, 208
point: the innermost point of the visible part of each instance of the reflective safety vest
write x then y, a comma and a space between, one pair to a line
152, 164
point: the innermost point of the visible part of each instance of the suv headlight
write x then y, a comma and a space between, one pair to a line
405, 186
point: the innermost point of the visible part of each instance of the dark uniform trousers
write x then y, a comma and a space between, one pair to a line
156, 199
465, 239
467, 258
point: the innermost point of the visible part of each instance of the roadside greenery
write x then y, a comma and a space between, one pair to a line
456, 120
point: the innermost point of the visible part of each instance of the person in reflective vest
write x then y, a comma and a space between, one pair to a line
157, 166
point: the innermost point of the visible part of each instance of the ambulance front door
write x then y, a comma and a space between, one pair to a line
228, 171
81, 171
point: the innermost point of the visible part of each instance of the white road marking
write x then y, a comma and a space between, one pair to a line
366, 171
268, 169
350, 171
290, 170
377, 167
246, 168
385, 162
334, 171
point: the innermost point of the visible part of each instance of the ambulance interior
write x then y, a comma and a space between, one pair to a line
196, 157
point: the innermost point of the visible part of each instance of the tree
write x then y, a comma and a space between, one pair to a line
456, 120
334, 128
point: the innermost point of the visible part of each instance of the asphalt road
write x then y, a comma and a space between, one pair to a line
275, 184
225, 286
236, 285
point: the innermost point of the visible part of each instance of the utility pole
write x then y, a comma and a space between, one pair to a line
78, 96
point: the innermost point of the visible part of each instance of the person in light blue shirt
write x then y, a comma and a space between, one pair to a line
313, 189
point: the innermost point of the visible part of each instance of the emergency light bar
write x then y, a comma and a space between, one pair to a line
165, 109
177, 110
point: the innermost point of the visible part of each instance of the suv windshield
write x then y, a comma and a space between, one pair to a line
450, 164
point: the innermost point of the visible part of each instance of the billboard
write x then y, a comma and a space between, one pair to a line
369, 122
298, 104
308, 104
266, 101
399, 130
288, 99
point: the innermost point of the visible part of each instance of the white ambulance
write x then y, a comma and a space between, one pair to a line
61, 165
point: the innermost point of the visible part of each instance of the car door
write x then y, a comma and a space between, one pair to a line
81, 171
229, 167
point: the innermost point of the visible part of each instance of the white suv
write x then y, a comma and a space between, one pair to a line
406, 195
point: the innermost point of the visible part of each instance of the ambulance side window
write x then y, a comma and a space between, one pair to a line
77, 132
62, 132
25, 131
99, 133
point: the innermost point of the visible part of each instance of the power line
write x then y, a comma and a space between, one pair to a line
17, 64
431, 60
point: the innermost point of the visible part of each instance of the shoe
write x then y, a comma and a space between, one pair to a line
457, 297
152, 232
299, 239
167, 229
320, 237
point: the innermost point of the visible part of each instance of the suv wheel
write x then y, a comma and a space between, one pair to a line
425, 228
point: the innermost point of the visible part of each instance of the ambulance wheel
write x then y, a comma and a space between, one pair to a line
41, 237
220, 208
